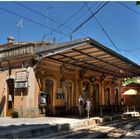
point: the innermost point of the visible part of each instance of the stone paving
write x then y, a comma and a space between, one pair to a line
30, 127
6, 121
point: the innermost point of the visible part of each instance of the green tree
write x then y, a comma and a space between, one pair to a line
129, 80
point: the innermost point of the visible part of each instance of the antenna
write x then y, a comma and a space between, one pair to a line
49, 35
19, 25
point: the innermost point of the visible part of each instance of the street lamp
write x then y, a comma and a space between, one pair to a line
9, 67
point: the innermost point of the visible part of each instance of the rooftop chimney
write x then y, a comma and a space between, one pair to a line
10, 39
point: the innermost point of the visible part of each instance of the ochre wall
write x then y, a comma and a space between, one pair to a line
49, 69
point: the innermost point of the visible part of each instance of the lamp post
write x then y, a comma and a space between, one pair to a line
9, 67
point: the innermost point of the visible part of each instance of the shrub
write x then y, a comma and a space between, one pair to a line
14, 114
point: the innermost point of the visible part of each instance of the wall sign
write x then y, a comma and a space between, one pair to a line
60, 94
21, 85
21, 80
21, 76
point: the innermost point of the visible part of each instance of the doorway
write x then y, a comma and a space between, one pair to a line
117, 107
95, 97
68, 94
116, 97
107, 96
49, 96
10, 96
85, 90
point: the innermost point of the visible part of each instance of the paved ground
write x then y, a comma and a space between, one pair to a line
42, 120
32, 127
56, 127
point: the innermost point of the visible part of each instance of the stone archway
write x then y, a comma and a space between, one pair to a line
107, 96
68, 91
50, 88
96, 96
116, 96
10, 96
86, 89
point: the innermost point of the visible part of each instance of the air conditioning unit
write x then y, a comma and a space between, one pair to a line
21, 85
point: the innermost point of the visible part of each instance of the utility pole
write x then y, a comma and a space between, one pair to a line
19, 25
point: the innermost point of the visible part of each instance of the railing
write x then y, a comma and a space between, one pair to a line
17, 51
33, 48
23, 50
129, 109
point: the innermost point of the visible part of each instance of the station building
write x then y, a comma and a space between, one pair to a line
38, 75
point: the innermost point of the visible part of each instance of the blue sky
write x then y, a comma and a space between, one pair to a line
121, 24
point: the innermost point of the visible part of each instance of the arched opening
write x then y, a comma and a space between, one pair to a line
85, 90
95, 96
49, 96
107, 96
116, 97
10, 96
68, 94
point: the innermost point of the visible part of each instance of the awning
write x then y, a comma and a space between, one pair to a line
89, 54
130, 92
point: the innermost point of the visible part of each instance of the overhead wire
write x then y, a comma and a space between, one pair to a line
133, 55
76, 20
129, 8
32, 21
135, 49
103, 29
88, 19
40, 14
79, 18
136, 12
72, 16
51, 19
83, 14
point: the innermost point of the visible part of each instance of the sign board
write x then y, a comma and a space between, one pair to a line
60, 94
21, 76
59, 90
21, 85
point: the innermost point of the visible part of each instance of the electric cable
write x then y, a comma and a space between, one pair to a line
87, 19
32, 21
103, 29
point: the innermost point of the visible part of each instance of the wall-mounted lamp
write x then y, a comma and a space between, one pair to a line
93, 79
113, 79
82, 72
102, 77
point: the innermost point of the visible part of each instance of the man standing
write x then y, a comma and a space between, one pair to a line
81, 105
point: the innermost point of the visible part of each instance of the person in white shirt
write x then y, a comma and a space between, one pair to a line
88, 107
